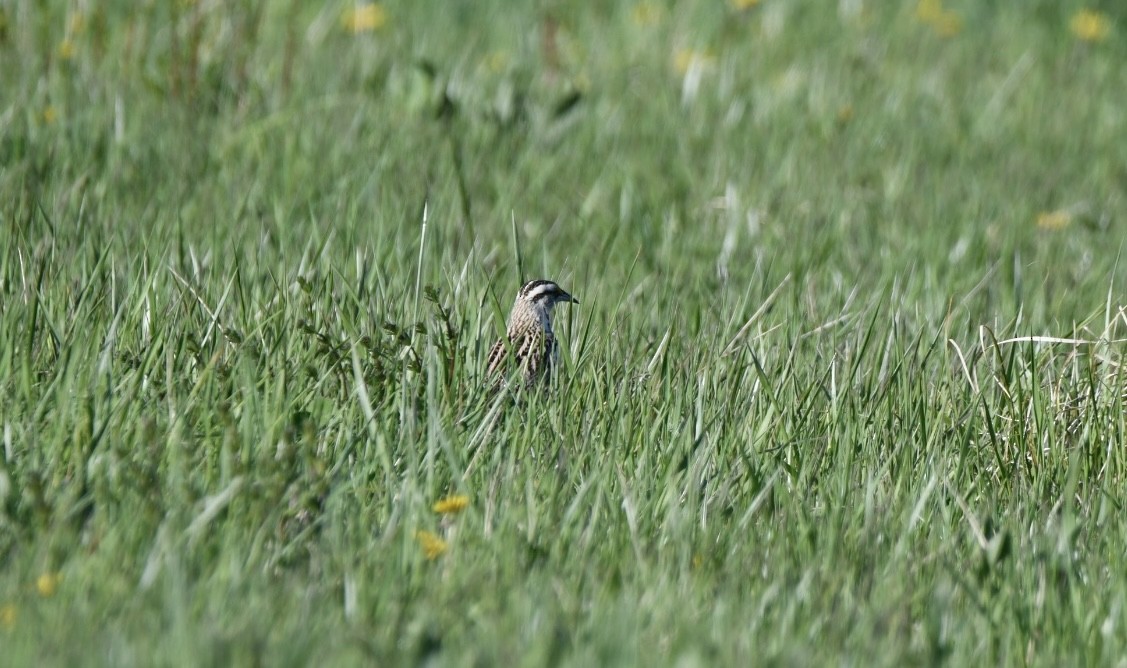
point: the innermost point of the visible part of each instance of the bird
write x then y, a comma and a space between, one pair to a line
529, 336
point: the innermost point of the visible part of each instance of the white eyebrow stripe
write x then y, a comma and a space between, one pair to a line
542, 290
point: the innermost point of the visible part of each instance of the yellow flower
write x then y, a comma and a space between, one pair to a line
1054, 220
926, 10
740, 5
686, 59
647, 13
50, 115
8, 616
496, 61
364, 17
66, 49
1090, 26
433, 546
452, 504
944, 22
47, 583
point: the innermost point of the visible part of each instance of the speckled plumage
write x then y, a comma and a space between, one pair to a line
530, 338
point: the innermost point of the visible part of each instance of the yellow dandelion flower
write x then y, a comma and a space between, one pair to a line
943, 21
47, 584
433, 546
497, 61
1054, 220
50, 115
66, 49
8, 616
686, 59
1090, 26
741, 5
364, 17
647, 14
452, 504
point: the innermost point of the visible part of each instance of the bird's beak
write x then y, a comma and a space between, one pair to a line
571, 299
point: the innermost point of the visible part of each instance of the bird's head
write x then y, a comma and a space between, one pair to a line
544, 294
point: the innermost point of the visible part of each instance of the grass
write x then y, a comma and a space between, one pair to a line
844, 384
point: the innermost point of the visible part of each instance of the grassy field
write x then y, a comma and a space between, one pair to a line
844, 385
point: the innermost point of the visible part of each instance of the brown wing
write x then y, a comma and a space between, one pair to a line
497, 355
535, 355
533, 351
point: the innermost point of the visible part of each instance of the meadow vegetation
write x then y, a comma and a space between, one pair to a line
844, 384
